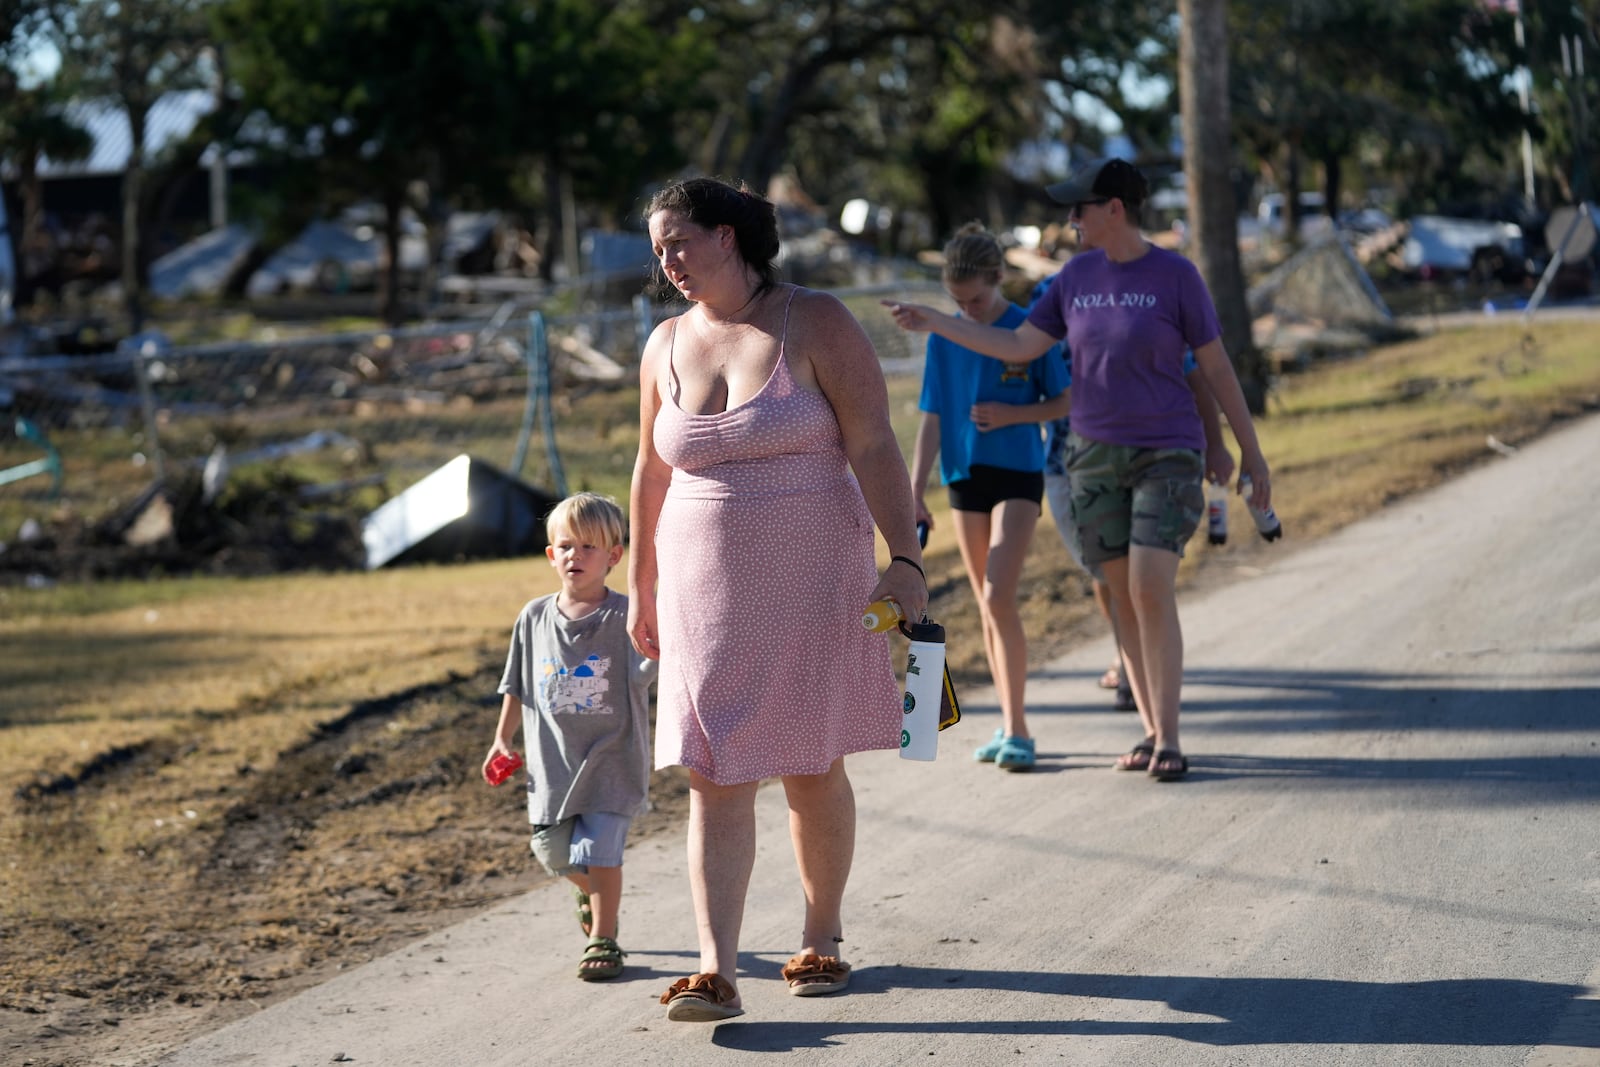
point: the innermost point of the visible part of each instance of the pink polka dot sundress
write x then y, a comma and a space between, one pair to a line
765, 557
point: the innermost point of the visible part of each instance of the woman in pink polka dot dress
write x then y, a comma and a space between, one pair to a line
766, 457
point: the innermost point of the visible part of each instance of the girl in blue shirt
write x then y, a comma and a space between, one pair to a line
981, 420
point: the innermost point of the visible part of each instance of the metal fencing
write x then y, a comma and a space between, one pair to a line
356, 413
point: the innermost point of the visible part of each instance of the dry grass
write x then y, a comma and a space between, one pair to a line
213, 792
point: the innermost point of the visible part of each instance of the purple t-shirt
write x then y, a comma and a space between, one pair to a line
1129, 325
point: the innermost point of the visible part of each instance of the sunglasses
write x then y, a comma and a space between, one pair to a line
1076, 210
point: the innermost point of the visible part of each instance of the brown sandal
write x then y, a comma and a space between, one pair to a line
814, 976
700, 998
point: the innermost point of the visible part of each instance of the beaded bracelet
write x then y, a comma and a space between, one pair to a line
913, 564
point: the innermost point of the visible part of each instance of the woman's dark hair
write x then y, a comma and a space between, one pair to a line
709, 203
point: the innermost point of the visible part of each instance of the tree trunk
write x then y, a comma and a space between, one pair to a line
132, 218
1332, 185
714, 150
32, 263
765, 154
1207, 164
555, 237
1291, 193
389, 297
571, 253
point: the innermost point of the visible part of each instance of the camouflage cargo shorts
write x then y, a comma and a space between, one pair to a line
1123, 495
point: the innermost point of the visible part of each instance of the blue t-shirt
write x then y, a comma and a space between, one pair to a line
1056, 430
1129, 325
955, 378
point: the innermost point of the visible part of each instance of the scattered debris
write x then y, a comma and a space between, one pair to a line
219, 463
1320, 302
258, 524
151, 522
464, 509
1500, 447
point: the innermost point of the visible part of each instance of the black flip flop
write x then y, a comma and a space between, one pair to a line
1145, 748
1168, 755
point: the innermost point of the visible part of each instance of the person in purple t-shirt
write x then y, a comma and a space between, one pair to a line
1136, 451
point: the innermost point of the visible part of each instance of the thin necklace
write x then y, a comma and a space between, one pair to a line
727, 320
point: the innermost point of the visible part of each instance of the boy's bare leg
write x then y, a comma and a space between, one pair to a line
605, 899
581, 880
604, 887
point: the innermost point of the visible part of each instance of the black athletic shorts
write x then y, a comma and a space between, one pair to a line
987, 486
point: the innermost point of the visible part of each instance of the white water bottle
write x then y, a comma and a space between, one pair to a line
919, 726
1266, 520
1217, 514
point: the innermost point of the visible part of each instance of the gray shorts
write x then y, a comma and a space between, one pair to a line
577, 843
1058, 494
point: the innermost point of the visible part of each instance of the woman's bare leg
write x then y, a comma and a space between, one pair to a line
722, 851
822, 827
1144, 595
1129, 643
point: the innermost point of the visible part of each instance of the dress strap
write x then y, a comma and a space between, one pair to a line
672, 348
783, 340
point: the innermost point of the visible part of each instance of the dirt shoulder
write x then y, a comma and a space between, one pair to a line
372, 832
366, 832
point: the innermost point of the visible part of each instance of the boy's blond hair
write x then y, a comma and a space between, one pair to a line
590, 517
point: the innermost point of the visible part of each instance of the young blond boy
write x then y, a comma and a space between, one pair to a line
579, 692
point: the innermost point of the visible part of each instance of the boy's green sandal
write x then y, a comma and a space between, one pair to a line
585, 913
602, 960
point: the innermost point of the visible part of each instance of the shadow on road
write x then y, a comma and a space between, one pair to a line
1351, 700
1373, 703
1237, 1011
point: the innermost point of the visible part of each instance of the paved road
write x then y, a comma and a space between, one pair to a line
1388, 851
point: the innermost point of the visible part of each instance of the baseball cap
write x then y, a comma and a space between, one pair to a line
1102, 178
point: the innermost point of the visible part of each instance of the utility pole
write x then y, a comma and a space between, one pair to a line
1524, 83
1572, 68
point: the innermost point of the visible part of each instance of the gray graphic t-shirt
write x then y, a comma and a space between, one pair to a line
585, 710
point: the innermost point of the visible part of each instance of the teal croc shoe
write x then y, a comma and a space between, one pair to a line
987, 752
1016, 754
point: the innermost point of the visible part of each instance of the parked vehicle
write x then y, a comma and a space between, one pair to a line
1363, 222
1271, 213
1479, 249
